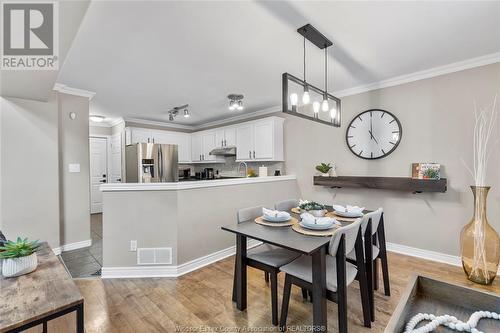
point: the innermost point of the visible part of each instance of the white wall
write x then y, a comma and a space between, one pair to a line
437, 120
29, 170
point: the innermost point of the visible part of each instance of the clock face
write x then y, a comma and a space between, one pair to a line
373, 134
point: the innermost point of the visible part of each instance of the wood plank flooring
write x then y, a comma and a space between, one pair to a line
203, 299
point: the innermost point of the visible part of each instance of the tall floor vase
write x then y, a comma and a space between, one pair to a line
479, 242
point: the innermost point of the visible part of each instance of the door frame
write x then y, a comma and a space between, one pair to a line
108, 162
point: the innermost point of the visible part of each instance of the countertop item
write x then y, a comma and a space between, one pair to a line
44, 294
185, 185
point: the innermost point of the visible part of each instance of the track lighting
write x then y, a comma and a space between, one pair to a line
186, 113
235, 102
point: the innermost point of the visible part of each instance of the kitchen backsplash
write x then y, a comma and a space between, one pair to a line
231, 166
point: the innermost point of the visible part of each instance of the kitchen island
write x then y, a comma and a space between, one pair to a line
177, 225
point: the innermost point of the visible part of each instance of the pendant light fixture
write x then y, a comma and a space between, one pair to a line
321, 99
235, 102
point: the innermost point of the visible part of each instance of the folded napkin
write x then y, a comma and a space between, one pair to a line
275, 213
308, 218
348, 209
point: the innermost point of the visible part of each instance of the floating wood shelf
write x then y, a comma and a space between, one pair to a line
385, 183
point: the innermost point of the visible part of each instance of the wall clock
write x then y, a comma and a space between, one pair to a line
374, 134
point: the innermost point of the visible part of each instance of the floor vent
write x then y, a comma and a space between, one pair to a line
154, 256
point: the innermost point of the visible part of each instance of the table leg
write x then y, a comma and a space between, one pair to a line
319, 290
241, 272
79, 319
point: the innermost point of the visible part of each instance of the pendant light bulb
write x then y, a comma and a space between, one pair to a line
333, 112
324, 105
294, 98
186, 113
316, 106
240, 105
306, 99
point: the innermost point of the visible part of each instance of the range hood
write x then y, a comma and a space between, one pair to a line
224, 151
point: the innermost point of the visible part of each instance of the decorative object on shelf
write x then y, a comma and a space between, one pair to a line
322, 100
312, 207
384, 183
19, 257
324, 168
426, 171
479, 242
374, 134
176, 110
235, 102
449, 321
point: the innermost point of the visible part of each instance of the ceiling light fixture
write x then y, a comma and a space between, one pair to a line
175, 111
96, 118
235, 102
326, 102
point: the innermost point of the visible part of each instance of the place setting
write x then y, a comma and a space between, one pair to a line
275, 218
347, 213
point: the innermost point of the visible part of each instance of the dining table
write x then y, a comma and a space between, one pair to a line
285, 237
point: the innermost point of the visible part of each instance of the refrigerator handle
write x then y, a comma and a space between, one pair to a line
160, 163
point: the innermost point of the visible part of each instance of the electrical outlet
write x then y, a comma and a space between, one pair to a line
133, 245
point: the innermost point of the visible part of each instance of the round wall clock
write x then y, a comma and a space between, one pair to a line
374, 134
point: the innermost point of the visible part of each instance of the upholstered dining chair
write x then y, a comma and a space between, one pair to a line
286, 205
372, 228
339, 274
265, 257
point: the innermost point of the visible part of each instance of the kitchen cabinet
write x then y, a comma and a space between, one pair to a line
260, 140
225, 137
196, 147
202, 144
140, 135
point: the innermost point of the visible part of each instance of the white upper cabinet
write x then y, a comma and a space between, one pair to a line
202, 143
260, 140
225, 137
196, 147
140, 135
208, 144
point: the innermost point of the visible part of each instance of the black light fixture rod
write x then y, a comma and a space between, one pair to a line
305, 59
326, 71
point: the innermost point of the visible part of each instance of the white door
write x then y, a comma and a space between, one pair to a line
230, 137
208, 145
263, 140
115, 169
98, 172
196, 147
244, 142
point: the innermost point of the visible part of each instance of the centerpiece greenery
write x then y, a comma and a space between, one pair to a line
311, 205
19, 257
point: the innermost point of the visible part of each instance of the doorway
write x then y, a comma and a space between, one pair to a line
98, 171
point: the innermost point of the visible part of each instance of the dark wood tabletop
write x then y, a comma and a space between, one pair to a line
42, 293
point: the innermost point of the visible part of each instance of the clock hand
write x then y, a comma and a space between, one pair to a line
373, 137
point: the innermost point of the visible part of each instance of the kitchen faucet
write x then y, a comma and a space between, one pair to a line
246, 168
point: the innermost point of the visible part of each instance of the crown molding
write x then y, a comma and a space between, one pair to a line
158, 123
62, 88
421, 75
245, 116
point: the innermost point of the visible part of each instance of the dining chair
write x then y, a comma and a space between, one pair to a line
372, 229
339, 274
286, 205
265, 257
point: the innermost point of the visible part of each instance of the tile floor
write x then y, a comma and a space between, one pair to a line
87, 262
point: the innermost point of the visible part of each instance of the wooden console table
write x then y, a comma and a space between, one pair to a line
36, 298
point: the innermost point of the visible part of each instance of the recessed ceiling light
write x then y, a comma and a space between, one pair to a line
96, 118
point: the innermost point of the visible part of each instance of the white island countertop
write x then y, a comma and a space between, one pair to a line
186, 185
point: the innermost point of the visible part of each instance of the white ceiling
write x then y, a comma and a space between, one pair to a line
143, 58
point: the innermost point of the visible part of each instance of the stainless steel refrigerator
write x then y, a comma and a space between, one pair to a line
151, 163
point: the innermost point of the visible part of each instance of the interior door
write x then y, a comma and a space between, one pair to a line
98, 172
263, 140
244, 142
115, 159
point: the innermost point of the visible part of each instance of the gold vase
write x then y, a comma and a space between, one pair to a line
479, 242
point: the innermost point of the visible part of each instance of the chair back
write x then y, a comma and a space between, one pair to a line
350, 233
286, 205
375, 216
249, 213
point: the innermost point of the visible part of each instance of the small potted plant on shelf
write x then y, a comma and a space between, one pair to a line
19, 257
324, 169
312, 207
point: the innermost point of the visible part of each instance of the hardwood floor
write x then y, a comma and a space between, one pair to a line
203, 298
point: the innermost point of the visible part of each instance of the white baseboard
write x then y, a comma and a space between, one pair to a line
171, 271
424, 254
72, 246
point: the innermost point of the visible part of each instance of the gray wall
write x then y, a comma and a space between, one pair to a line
437, 120
74, 187
29, 170
189, 221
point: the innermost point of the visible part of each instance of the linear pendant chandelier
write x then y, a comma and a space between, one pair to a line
297, 94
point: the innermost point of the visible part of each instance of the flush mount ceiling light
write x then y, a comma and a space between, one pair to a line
235, 102
321, 99
176, 110
96, 118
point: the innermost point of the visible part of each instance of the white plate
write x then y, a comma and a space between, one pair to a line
317, 226
348, 214
276, 219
